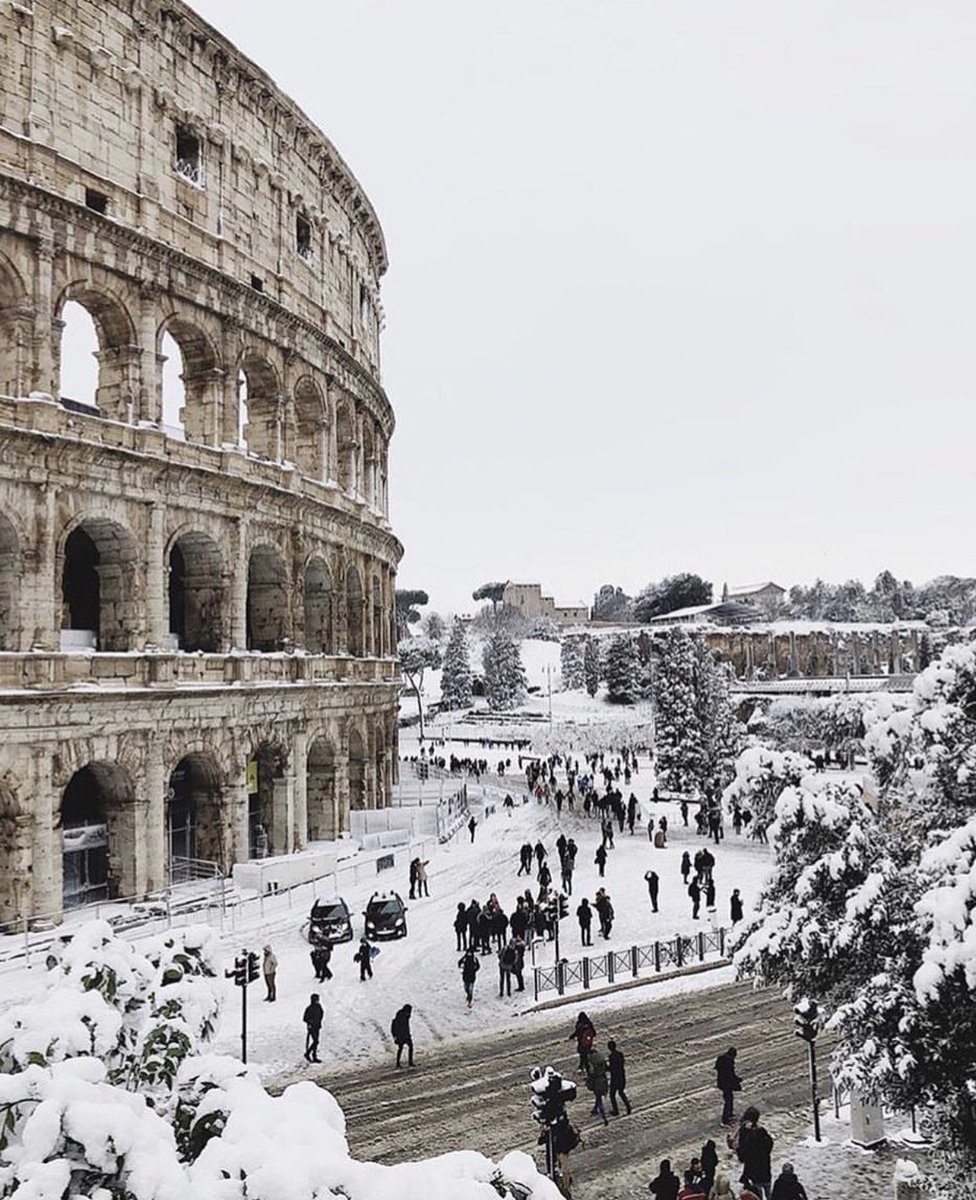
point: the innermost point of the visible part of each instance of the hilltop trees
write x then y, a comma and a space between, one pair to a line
671, 593
504, 674
456, 676
623, 671
591, 666
571, 656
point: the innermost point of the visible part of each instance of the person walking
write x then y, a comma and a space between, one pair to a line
461, 926
604, 911
545, 876
400, 1029
787, 1186
665, 1185
364, 956
269, 968
684, 813
597, 1081
472, 826
525, 859
601, 859
470, 966
653, 887
584, 915
618, 1078
709, 1163
313, 1017
584, 1032
694, 891
755, 1151
540, 852
506, 966
735, 907
685, 867
727, 1082
321, 957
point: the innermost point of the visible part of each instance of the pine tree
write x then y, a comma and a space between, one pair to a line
504, 673
678, 736
623, 671
591, 666
456, 676
721, 731
571, 655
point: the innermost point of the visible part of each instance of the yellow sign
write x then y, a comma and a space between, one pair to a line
252, 776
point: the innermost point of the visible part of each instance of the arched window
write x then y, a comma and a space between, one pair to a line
196, 593
268, 612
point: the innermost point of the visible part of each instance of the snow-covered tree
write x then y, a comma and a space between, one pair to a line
417, 654
592, 666
571, 655
504, 674
872, 910
434, 626
678, 738
761, 775
623, 671
722, 733
456, 675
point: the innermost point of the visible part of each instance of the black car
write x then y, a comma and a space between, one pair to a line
386, 916
329, 923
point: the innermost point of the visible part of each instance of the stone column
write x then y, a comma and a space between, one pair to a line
341, 789
236, 808
369, 781
43, 356
40, 595
322, 449
332, 466
151, 838
151, 392
283, 810
157, 577
238, 597
300, 822
46, 851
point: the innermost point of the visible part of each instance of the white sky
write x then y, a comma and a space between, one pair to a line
683, 285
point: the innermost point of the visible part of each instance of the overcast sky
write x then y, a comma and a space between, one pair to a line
673, 286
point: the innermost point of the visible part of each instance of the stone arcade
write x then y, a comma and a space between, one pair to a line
197, 648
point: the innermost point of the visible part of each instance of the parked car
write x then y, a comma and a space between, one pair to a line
329, 923
386, 916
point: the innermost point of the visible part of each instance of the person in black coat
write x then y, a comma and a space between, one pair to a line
653, 887
709, 1163
584, 914
665, 1185
321, 957
787, 1186
618, 1078
461, 926
400, 1029
735, 906
755, 1151
601, 859
727, 1082
694, 891
313, 1016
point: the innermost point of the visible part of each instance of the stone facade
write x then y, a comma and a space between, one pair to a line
197, 641
768, 653
527, 598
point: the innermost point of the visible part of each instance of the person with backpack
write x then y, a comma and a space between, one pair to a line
400, 1029
470, 966
727, 1082
597, 1081
618, 1078
584, 1033
507, 957
313, 1017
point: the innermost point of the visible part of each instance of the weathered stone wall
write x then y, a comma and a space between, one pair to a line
202, 620
767, 654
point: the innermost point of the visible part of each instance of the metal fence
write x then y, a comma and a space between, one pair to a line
681, 951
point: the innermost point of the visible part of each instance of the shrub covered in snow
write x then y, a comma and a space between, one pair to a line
105, 1093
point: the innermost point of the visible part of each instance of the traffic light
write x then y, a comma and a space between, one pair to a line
806, 1019
550, 1092
240, 971
563, 905
253, 968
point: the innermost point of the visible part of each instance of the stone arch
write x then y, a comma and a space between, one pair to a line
98, 845
357, 769
10, 570
346, 446
118, 353
268, 609
263, 431
99, 560
16, 332
354, 612
325, 822
319, 608
201, 376
197, 592
195, 825
311, 429
268, 804
15, 851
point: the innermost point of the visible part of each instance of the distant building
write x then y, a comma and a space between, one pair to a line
726, 612
527, 599
767, 597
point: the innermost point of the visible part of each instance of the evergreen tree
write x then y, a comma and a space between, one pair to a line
623, 671
721, 731
504, 674
456, 676
678, 737
571, 656
591, 666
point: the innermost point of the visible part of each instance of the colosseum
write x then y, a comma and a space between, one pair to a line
196, 563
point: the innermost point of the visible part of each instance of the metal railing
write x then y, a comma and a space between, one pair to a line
681, 951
